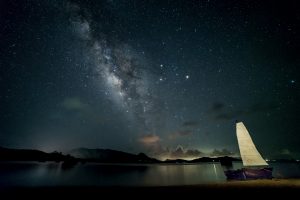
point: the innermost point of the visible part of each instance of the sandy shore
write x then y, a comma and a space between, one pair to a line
272, 187
274, 183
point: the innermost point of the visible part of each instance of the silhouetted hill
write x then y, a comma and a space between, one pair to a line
175, 161
216, 159
96, 155
111, 156
223, 160
7, 154
285, 160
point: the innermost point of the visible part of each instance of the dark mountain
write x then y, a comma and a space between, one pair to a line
7, 154
96, 155
223, 160
283, 160
203, 159
215, 159
111, 156
175, 161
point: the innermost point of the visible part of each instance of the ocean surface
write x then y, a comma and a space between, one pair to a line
34, 174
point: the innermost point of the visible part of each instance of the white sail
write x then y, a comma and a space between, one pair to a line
249, 153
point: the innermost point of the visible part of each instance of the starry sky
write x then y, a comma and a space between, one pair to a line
168, 78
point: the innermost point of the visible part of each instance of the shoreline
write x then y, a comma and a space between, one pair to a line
275, 182
273, 186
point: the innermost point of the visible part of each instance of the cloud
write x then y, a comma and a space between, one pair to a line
158, 151
285, 152
223, 152
181, 153
149, 139
151, 143
177, 153
193, 153
190, 124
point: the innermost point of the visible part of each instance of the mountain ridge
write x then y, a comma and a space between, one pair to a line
98, 155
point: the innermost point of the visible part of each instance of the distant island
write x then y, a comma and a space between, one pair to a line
103, 156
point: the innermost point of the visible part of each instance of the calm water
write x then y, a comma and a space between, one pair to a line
91, 174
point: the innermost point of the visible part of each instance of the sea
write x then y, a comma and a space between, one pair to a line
40, 174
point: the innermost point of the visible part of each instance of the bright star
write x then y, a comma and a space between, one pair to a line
187, 77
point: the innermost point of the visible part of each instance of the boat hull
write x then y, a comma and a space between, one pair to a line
249, 173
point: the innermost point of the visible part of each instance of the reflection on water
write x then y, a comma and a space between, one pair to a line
92, 174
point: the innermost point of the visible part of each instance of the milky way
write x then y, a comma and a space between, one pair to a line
124, 73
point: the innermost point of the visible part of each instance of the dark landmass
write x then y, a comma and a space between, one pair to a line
7, 154
82, 155
226, 160
111, 156
105, 156
285, 160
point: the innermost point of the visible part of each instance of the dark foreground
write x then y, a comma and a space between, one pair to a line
249, 188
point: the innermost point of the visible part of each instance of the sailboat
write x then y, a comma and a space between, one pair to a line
255, 167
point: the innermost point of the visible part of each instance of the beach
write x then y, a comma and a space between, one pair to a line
251, 188
265, 183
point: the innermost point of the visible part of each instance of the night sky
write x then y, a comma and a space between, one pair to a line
168, 78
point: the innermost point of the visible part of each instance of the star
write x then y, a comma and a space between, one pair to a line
179, 29
174, 76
